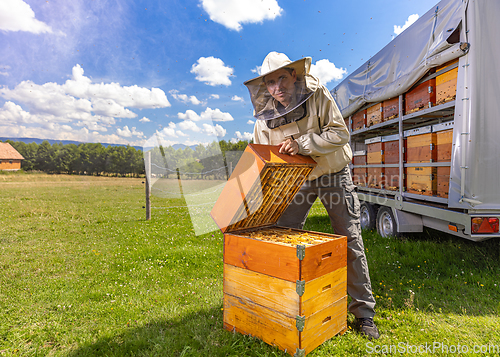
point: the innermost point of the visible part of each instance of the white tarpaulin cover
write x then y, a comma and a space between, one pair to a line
405, 60
477, 111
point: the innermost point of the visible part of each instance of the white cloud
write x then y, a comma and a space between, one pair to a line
208, 114
189, 115
214, 96
132, 96
76, 103
216, 115
408, 23
212, 71
232, 14
250, 122
257, 70
212, 130
127, 133
16, 15
189, 125
326, 71
185, 98
144, 120
237, 99
245, 136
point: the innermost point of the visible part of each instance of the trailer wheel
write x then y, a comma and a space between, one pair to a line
368, 216
386, 224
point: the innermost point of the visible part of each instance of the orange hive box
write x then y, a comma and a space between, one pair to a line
421, 148
359, 173
358, 120
390, 109
421, 97
287, 287
391, 157
444, 146
375, 156
374, 114
446, 83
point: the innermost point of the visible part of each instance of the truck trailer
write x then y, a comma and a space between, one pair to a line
424, 119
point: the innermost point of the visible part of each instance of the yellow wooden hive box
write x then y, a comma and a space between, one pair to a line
287, 287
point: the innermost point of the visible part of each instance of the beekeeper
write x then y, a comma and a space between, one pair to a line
297, 113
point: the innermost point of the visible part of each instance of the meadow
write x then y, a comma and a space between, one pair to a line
83, 273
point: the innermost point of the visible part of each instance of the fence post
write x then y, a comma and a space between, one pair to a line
148, 184
179, 181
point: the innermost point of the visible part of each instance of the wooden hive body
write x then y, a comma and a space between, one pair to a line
390, 109
285, 286
420, 145
374, 114
446, 83
375, 156
421, 148
444, 147
420, 97
359, 173
391, 156
359, 120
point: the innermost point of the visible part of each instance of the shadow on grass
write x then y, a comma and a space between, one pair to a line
197, 334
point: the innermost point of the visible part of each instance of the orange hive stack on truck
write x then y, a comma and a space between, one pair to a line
285, 286
432, 154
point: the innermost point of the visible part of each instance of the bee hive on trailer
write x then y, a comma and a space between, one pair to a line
374, 159
421, 148
390, 109
420, 97
444, 146
391, 157
374, 114
446, 83
358, 120
286, 286
359, 173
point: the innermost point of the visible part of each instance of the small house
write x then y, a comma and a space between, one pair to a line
10, 159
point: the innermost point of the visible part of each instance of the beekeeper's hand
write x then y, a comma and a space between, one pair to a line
289, 146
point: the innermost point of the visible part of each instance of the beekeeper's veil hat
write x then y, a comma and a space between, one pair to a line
265, 106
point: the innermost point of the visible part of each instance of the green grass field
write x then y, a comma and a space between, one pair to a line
82, 273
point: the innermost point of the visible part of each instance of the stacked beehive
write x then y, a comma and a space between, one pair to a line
421, 96
284, 286
375, 160
446, 83
390, 108
374, 114
420, 149
391, 157
359, 174
358, 120
444, 145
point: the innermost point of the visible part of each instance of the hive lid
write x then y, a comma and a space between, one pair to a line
359, 153
374, 140
418, 131
260, 188
442, 126
387, 138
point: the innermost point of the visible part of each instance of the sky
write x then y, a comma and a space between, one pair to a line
131, 71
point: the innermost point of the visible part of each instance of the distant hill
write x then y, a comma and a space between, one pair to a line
64, 142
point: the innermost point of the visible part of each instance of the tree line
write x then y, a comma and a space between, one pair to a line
203, 162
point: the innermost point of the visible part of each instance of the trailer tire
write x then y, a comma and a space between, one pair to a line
386, 224
368, 216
